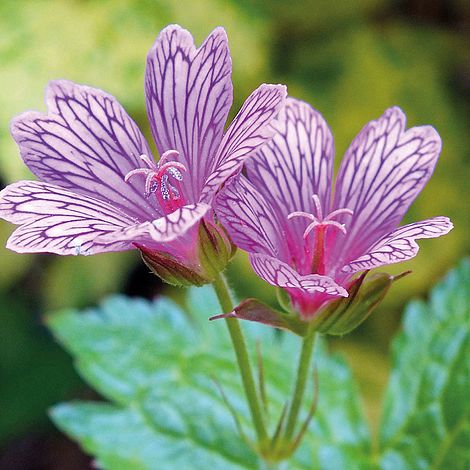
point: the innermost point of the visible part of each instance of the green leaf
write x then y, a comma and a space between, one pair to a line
156, 364
426, 422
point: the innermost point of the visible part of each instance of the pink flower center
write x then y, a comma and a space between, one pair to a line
162, 179
318, 226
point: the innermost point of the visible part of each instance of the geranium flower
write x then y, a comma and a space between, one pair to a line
302, 238
101, 190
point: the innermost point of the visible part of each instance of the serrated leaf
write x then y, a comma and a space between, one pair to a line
426, 422
156, 364
121, 438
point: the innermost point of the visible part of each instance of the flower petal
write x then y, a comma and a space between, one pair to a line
383, 171
249, 220
162, 230
55, 220
249, 130
280, 274
189, 95
296, 164
400, 245
86, 143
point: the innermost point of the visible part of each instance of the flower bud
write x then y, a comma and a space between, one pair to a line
211, 255
170, 270
345, 314
336, 318
214, 248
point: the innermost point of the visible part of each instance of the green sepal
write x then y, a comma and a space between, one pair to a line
170, 270
214, 248
214, 251
255, 311
283, 299
346, 314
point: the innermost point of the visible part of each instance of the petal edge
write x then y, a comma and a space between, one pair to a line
279, 274
400, 245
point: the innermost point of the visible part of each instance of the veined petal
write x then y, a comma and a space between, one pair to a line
56, 220
162, 230
87, 144
249, 130
296, 164
383, 171
250, 221
280, 274
189, 94
174, 225
400, 245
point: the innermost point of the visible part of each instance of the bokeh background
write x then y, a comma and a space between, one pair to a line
350, 59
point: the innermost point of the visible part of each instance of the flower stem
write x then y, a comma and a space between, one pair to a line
263, 465
302, 376
239, 345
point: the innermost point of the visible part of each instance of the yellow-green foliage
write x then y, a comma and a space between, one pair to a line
351, 60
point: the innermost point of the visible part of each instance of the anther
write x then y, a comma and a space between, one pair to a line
157, 178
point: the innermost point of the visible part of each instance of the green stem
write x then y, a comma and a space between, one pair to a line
302, 376
238, 341
263, 465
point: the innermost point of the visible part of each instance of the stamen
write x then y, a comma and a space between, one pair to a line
170, 165
157, 178
175, 192
175, 173
164, 188
153, 187
149, 184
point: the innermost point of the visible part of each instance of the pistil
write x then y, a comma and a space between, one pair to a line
319, 226
162, 179
318, 259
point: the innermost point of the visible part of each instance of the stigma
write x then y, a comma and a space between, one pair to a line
319, 225
317, 220
162, 179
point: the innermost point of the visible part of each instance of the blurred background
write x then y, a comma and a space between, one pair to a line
351, 60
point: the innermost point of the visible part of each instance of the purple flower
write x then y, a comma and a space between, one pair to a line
302, 238
101, 190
